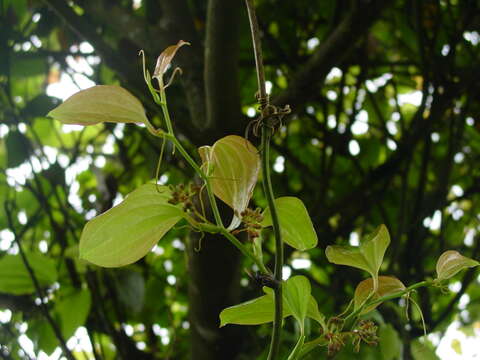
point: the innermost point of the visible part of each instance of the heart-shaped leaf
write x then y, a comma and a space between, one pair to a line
261, 310
387, 285
295, 223
101, 103
15, 278
233, 165
368, 256
451, 262
128, 231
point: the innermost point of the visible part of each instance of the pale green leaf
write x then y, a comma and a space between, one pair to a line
296, 292
451, 262
368, 256
387, 285
253, 312
261, 310
233, 165
128, 231
14, 276
101, 103
295, 223
314, 313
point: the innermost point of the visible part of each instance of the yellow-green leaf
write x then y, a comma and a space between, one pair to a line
368, 256
128, 231
101, 103
297, 297
261, 310
233, 164
451, 262
295, 223
387, 285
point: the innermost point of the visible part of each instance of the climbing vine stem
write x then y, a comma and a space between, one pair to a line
267, 132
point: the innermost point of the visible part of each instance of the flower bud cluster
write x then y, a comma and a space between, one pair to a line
184, 195
366, 332
252, 220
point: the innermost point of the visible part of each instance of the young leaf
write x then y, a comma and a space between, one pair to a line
368, 256
14, 276
386, 285
101, 103
261, 310
297, 297
451, 262
253, 312
234, 165
295, 223
128, 231
166, 57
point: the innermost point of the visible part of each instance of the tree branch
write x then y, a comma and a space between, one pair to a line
332, 51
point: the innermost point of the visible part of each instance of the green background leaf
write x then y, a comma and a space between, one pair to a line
15, 279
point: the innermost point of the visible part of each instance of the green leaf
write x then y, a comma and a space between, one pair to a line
233, 165
101, 103
14, 276
261, 310
451, 262
390, 343
368, 256
130, 286
128, 231
295, 223
387, 285
297, 297
72, 311
314, 313
18, 148
253, 312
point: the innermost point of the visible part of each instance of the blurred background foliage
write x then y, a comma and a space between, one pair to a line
385, 129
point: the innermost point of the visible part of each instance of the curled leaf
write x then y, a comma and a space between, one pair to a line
101, 103
165, 59
451, 262
232, 164
387, 285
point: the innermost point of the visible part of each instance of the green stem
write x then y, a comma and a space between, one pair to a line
171, 136
267, 185
244, 250
267, 188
